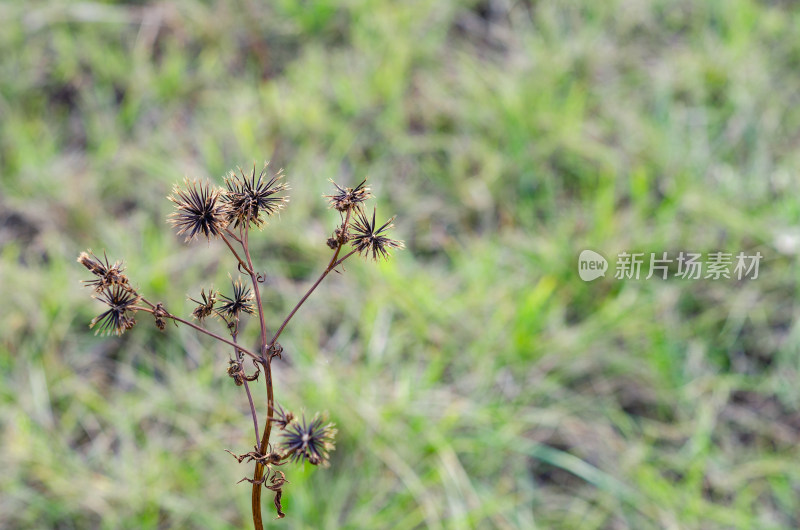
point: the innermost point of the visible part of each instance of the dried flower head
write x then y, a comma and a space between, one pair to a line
346, 198
282, 417
107, 274
119, 317
240, 302
248, 198
206, 306
368, 239
308, 441
160, 314
199, 210
236, 371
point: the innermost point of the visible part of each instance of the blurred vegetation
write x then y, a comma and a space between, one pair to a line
474, 379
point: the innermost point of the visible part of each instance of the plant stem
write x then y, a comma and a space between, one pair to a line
332, 264
266, 361
246, 388
241, 262
344, 258
257, 290
258, 473
249, 270
234, 236
201, 330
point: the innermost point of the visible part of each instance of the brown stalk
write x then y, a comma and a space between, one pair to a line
246, 387
201, 330
242, 263
258, 474
266, 361
332, 264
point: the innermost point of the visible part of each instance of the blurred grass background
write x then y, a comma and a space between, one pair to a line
475, 380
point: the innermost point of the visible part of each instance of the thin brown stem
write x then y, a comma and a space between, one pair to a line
344, 228
256, 290
332, 264
266, 361
252, 409
143, 299
296, 307
241, 261
203, 330
339, 262
258, 473
246, 388
234, 236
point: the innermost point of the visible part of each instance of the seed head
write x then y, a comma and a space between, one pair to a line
240, 302
119, 317
281, 417
367, 239
346, 198
309, 441
199, 210
206, 307
160, 314
248, 198
107, 274
235, 371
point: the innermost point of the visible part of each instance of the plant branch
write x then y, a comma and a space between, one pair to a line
241, 262
234, 236
200, 329
246, 386
332, 264
212, 334
256, 290
266, 361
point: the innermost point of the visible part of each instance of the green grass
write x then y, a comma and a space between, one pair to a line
475, 380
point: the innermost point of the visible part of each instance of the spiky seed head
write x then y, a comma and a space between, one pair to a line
368, 239
205, 306
240, 302
106, 273
309, 441
119, 317
250, 199
199, 210
346, 198
281, 417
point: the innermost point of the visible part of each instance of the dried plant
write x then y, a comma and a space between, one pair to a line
230, 213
